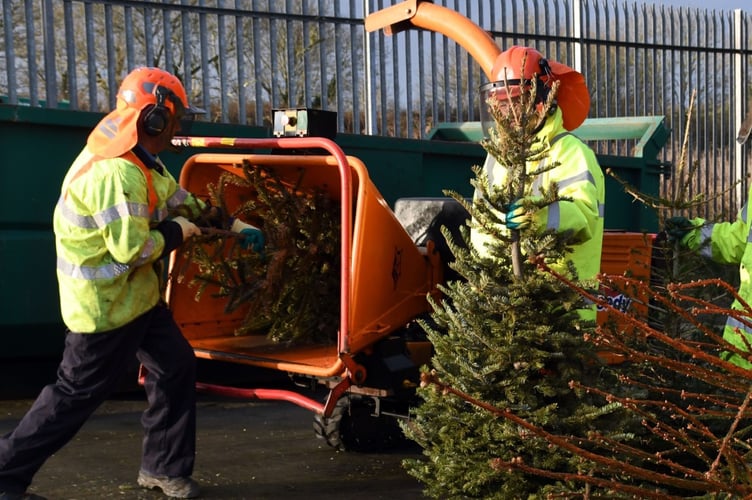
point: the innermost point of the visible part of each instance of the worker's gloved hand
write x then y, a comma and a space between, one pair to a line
677, 228
189, 228
251, 236
215, 217
517, 217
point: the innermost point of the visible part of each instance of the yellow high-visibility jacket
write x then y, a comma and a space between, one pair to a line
105, 238
729, 243
580, 180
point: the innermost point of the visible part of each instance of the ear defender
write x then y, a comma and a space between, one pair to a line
156, 118
544, 88
553, 108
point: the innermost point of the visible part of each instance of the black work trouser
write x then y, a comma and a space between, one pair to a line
91, 368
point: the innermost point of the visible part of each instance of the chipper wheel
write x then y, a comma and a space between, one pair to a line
354, 427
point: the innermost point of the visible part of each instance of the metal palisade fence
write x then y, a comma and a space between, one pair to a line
241, 58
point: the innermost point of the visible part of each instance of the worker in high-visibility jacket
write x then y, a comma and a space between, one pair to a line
579, 177
725, 243
111, 226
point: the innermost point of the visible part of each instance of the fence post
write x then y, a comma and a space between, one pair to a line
577, 35
739, 99
50, 73
368, 75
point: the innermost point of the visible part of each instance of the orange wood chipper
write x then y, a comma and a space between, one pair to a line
384, 281
370, 372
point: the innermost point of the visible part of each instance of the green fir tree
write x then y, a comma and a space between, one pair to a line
507, 334
678, 415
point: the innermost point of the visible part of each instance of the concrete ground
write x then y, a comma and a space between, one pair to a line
245, 450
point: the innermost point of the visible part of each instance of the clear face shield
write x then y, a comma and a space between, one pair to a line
186, 116
497, 95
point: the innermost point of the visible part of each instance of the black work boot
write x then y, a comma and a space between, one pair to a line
173, 487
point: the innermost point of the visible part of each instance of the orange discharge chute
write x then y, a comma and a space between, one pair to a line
573, 95
425, 15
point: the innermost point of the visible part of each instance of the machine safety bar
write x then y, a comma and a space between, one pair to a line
268, 394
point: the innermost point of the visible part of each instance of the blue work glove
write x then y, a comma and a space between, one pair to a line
517, 217
250, 236
677, 228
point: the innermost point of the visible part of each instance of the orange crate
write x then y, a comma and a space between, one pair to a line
624, 254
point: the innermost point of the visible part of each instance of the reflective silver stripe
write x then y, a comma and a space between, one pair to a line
119, 211
554, 216
110, 127
146, 252
557, 137
160, 214
107, 271
705, 233
536, 188
538, 181
735, 323
178, 198
743, 213
83, 221
582, 176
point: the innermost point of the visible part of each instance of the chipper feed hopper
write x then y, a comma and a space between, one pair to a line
384, 282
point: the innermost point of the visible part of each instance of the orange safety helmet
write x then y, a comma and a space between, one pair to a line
573, 96
150, 94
